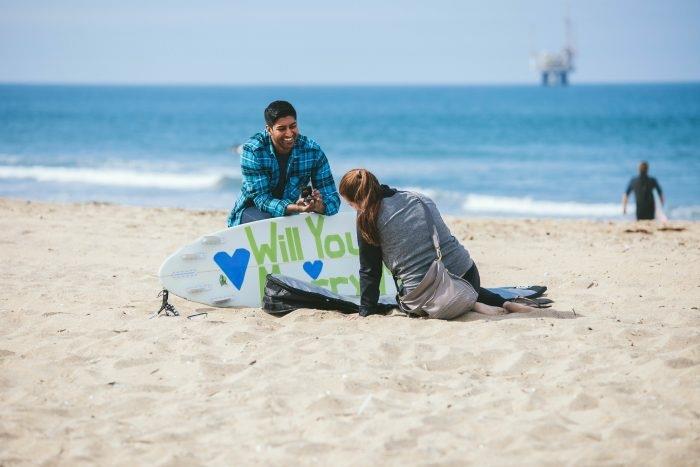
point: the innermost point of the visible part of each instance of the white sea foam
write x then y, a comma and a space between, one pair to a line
122, 178
452, 202
531, 207
224, 179
684, 212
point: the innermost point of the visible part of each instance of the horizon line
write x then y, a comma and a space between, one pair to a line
333, 84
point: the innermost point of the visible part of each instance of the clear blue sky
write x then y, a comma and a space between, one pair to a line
353, 42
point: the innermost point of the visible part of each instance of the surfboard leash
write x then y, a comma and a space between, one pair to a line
165, 306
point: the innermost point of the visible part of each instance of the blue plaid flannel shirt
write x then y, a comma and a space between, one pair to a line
260, 171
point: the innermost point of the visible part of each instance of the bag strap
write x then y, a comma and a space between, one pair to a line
435, 237
431, 223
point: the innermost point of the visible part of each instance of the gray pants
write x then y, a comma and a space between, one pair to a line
252, 214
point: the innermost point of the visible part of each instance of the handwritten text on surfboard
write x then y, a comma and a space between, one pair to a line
284, 245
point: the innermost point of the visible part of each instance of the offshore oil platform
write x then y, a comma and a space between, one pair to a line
555, 67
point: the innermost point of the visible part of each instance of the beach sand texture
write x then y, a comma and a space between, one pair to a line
610, 376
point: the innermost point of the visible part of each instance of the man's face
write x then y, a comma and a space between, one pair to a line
284, 133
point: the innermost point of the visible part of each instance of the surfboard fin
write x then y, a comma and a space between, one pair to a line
199, 288
211, 240
190, 256
220, 301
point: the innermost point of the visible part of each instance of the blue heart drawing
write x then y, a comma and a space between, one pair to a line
234, 266
313, 269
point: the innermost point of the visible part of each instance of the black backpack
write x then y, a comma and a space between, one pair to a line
284, 294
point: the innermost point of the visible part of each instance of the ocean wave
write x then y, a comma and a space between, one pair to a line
9, 159
510, 206
456, 203
531, 207
459, 203
453, 202
124, 178
684, 212
224, 180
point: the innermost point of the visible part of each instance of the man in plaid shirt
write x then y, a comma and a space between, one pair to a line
277, 164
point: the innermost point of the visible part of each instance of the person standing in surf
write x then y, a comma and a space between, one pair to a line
276, 165
643, 186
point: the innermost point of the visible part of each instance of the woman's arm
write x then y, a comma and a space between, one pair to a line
370, 276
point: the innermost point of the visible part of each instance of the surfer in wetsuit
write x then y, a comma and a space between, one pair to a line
276, 165
643, 186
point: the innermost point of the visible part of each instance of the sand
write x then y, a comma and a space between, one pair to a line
609, 376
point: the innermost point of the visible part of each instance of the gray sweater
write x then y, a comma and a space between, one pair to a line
406, 239
406, 246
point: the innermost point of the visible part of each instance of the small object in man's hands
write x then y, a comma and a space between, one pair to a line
306, 194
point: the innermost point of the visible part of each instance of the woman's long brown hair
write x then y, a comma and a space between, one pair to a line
362, 188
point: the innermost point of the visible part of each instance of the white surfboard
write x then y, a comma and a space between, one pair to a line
228, 268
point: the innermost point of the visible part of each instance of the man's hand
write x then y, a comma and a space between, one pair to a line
298, 207
316, 203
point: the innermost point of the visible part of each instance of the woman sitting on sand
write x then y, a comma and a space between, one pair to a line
393, 228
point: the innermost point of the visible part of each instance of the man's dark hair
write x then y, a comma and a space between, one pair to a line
277, 110
643, 168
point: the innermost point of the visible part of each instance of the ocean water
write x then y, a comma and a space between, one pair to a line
520, 151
